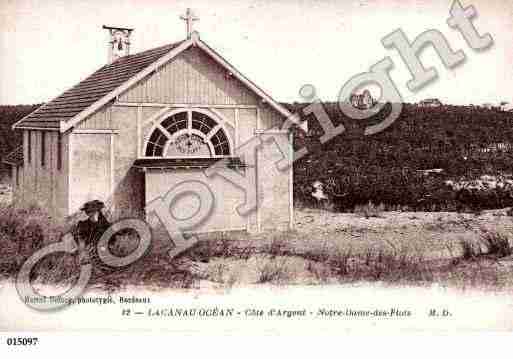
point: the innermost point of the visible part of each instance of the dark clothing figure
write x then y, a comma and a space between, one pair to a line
88, 233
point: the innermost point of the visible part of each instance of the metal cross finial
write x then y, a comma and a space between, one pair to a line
189, 18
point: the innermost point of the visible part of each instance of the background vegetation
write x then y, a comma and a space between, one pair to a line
465, 142
10, 139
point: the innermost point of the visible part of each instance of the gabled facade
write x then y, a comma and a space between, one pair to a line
148, 121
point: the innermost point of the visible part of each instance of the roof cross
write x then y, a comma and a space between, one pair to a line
189, 18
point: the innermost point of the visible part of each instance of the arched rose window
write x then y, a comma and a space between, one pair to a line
188, 134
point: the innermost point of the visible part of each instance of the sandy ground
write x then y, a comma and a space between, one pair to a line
236, 283
432, 234
433, 237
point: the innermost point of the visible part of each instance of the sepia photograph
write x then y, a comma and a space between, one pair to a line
255, 166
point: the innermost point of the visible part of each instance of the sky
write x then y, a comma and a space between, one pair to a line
47, 46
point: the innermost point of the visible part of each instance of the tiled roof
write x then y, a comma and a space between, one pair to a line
180, 163
15, 157
93, 88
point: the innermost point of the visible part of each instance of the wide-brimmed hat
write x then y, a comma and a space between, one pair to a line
93, 206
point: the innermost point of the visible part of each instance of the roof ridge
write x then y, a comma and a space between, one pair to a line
143, 52
85, 98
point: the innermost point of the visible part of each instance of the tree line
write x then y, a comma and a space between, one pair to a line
389, 167
10, 139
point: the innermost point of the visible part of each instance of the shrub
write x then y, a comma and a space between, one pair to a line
497, 244
22, 233
470, 249
320, 271
277, 247
317, 253
340, 262
273, 271
219, 245
369, 210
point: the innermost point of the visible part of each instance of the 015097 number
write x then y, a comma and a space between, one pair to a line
22, 341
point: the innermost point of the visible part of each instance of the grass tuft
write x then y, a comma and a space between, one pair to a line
273, 271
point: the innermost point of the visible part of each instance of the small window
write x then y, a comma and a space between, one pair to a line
59, 151
29, 146
156, 144
43, 148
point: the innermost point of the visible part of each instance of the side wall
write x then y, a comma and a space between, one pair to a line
43, 183
17, 183
276, 211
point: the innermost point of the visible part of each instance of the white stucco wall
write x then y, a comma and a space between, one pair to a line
226, 198
275, 185
90, 177
44, 185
